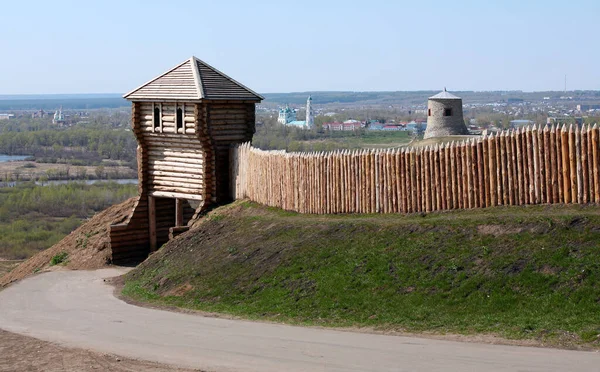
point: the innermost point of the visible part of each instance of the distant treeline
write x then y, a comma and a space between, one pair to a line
117, 144
66, 103
71, 199
416, 97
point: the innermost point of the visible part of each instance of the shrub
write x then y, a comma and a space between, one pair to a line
59, 258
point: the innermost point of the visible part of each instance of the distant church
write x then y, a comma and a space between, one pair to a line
287, 116
59, 117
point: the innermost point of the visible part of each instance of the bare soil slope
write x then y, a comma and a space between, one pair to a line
87, 247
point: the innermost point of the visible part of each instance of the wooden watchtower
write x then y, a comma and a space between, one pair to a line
185, 121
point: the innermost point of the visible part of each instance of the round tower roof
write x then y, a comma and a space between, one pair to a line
444, 95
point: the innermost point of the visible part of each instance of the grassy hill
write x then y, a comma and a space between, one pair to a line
527, 273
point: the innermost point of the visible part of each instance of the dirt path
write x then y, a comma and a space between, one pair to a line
21, 353
77, 309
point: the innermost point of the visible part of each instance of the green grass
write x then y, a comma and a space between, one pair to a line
29, 234
33, 218
526, 273
353, 140
59, 259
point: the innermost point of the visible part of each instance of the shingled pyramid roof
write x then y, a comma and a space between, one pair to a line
193, 80
444, 95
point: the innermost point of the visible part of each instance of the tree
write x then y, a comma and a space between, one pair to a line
99, 171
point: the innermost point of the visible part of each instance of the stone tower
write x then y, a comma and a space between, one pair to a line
310, 120
445, 116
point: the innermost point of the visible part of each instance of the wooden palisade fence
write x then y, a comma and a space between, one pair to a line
525, 166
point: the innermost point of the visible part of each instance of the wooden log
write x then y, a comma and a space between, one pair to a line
459, 176
415, 188
480, 175
427, 180
189, 177
504, 168
360, 182
179, 161
173, 194
444, 177
519, 198
531, 165
596, 164
525, 167
163, 182
179, 212
514, 167
492, 171
542, 164
400, 185
553, 191
584, 164
486, 171
565, 165
458, 180
559, 167
405, 162
590, 162
510, 188
384, 182
578, 166
536, 164
431, 176
376, 182
441, 202
464, 175
394, 178
182, 171
498, 148
572, 164
152, 222
437, 174
547, 167
469, 174
413, 180
449, 159
474, 173
189, 153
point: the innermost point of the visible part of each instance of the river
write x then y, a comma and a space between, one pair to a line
124, 181
5, 158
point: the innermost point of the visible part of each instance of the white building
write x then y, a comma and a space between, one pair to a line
287, 116
58, 117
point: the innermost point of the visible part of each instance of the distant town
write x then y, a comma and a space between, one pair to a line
350, 111
484, 111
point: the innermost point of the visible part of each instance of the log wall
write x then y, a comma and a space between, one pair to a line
175, 163
533, 165
129, 241
228, 123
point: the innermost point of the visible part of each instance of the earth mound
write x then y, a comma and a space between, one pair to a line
528, 273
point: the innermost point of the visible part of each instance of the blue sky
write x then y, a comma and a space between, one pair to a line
283, 46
